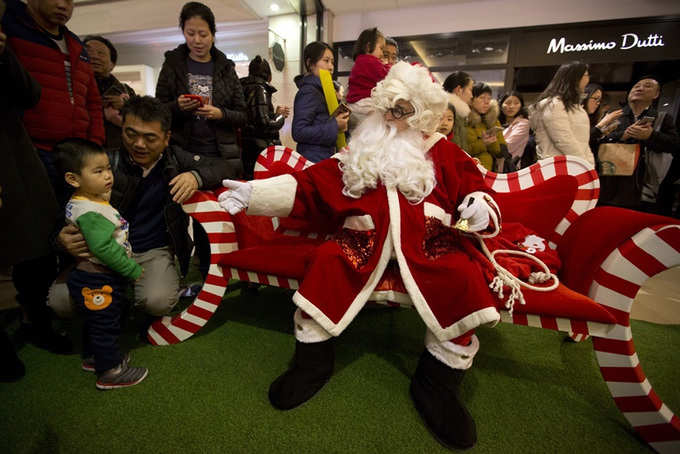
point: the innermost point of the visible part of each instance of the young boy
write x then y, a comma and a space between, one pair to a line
97, 285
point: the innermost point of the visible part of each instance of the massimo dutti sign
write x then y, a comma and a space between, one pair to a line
613, 43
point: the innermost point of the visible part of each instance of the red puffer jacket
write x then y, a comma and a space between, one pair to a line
55, 118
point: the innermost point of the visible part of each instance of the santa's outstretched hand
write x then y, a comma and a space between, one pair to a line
476, 211
236, 199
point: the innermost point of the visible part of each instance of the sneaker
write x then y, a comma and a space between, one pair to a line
121, 376
88, 364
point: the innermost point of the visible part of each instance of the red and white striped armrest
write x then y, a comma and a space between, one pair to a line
586, 195
217, 223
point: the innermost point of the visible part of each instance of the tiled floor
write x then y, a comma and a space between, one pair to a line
658, 301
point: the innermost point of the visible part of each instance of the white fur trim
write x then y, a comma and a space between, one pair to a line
453, 355
437, 212
359, 300
462, 108
307, 330
431, 140
272, 196
360, 223
487, 315
390, 295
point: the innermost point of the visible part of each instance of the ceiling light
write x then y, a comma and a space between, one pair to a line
274, 7
488, 48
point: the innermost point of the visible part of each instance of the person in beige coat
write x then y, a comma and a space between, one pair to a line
561, 124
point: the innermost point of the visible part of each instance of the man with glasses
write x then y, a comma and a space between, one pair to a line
393, 196
151, 180
651, 187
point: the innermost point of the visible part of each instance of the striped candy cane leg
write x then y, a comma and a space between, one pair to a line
616, 283
203, 208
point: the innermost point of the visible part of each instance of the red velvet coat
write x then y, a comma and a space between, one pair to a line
55, 118
443, 271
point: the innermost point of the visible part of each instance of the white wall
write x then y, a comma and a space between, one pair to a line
286, 30
491, 14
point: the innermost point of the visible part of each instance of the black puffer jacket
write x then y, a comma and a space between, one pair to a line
227, 95
174, 161
29, 210
263, 123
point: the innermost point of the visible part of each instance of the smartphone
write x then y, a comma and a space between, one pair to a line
646, 120
492, 131
198, 98
342, 108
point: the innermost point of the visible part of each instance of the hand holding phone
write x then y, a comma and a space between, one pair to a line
341, 109
646, 120
189, 102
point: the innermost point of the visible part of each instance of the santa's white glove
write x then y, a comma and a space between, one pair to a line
236, 199
476, 211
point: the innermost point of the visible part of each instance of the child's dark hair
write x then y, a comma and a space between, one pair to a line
452, 108
260, 67
480, 88
313, 53
148, 109
71, 154
366, 42
197, 9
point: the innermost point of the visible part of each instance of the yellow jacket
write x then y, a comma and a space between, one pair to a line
478, 125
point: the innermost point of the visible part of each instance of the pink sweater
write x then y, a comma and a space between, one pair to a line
367, 71
516, 136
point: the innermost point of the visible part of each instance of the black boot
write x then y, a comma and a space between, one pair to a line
311, 368
434, 389
43, 336
11, 367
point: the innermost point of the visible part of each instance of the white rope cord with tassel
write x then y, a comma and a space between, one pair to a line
505, 277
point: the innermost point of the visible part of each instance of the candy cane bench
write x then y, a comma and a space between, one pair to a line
607, 254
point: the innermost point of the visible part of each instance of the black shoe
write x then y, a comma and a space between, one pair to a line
312, 367
11, 367
43, 336
434, 389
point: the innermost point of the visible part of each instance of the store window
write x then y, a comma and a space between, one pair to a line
482, 55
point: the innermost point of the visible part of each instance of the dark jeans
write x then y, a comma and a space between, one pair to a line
202, 244
32, 280
101, 297
62, 189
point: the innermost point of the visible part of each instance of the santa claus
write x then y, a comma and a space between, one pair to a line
396, 193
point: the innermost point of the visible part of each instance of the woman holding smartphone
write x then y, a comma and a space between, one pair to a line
314, 129
200, 86
484, 132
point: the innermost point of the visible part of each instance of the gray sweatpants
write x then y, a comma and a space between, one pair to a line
156, 291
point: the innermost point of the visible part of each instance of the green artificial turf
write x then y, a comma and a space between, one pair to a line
528, 390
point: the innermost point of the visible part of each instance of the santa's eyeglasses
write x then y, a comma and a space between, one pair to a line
398, 112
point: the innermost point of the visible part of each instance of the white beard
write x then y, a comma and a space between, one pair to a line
378, 153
